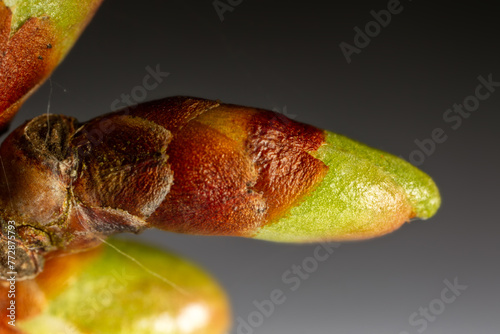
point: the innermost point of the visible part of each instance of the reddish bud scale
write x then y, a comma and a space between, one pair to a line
18, 76
234, 168
225, 179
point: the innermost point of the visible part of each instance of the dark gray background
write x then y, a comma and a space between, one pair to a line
278, 54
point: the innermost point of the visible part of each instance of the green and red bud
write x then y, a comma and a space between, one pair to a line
251, 172
125, 288
197, 166
35, 36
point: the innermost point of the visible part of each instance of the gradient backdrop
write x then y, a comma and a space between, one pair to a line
286, 56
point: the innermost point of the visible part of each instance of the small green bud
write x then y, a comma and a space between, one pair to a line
135, 289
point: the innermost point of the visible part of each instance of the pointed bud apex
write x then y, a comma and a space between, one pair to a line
365, 193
